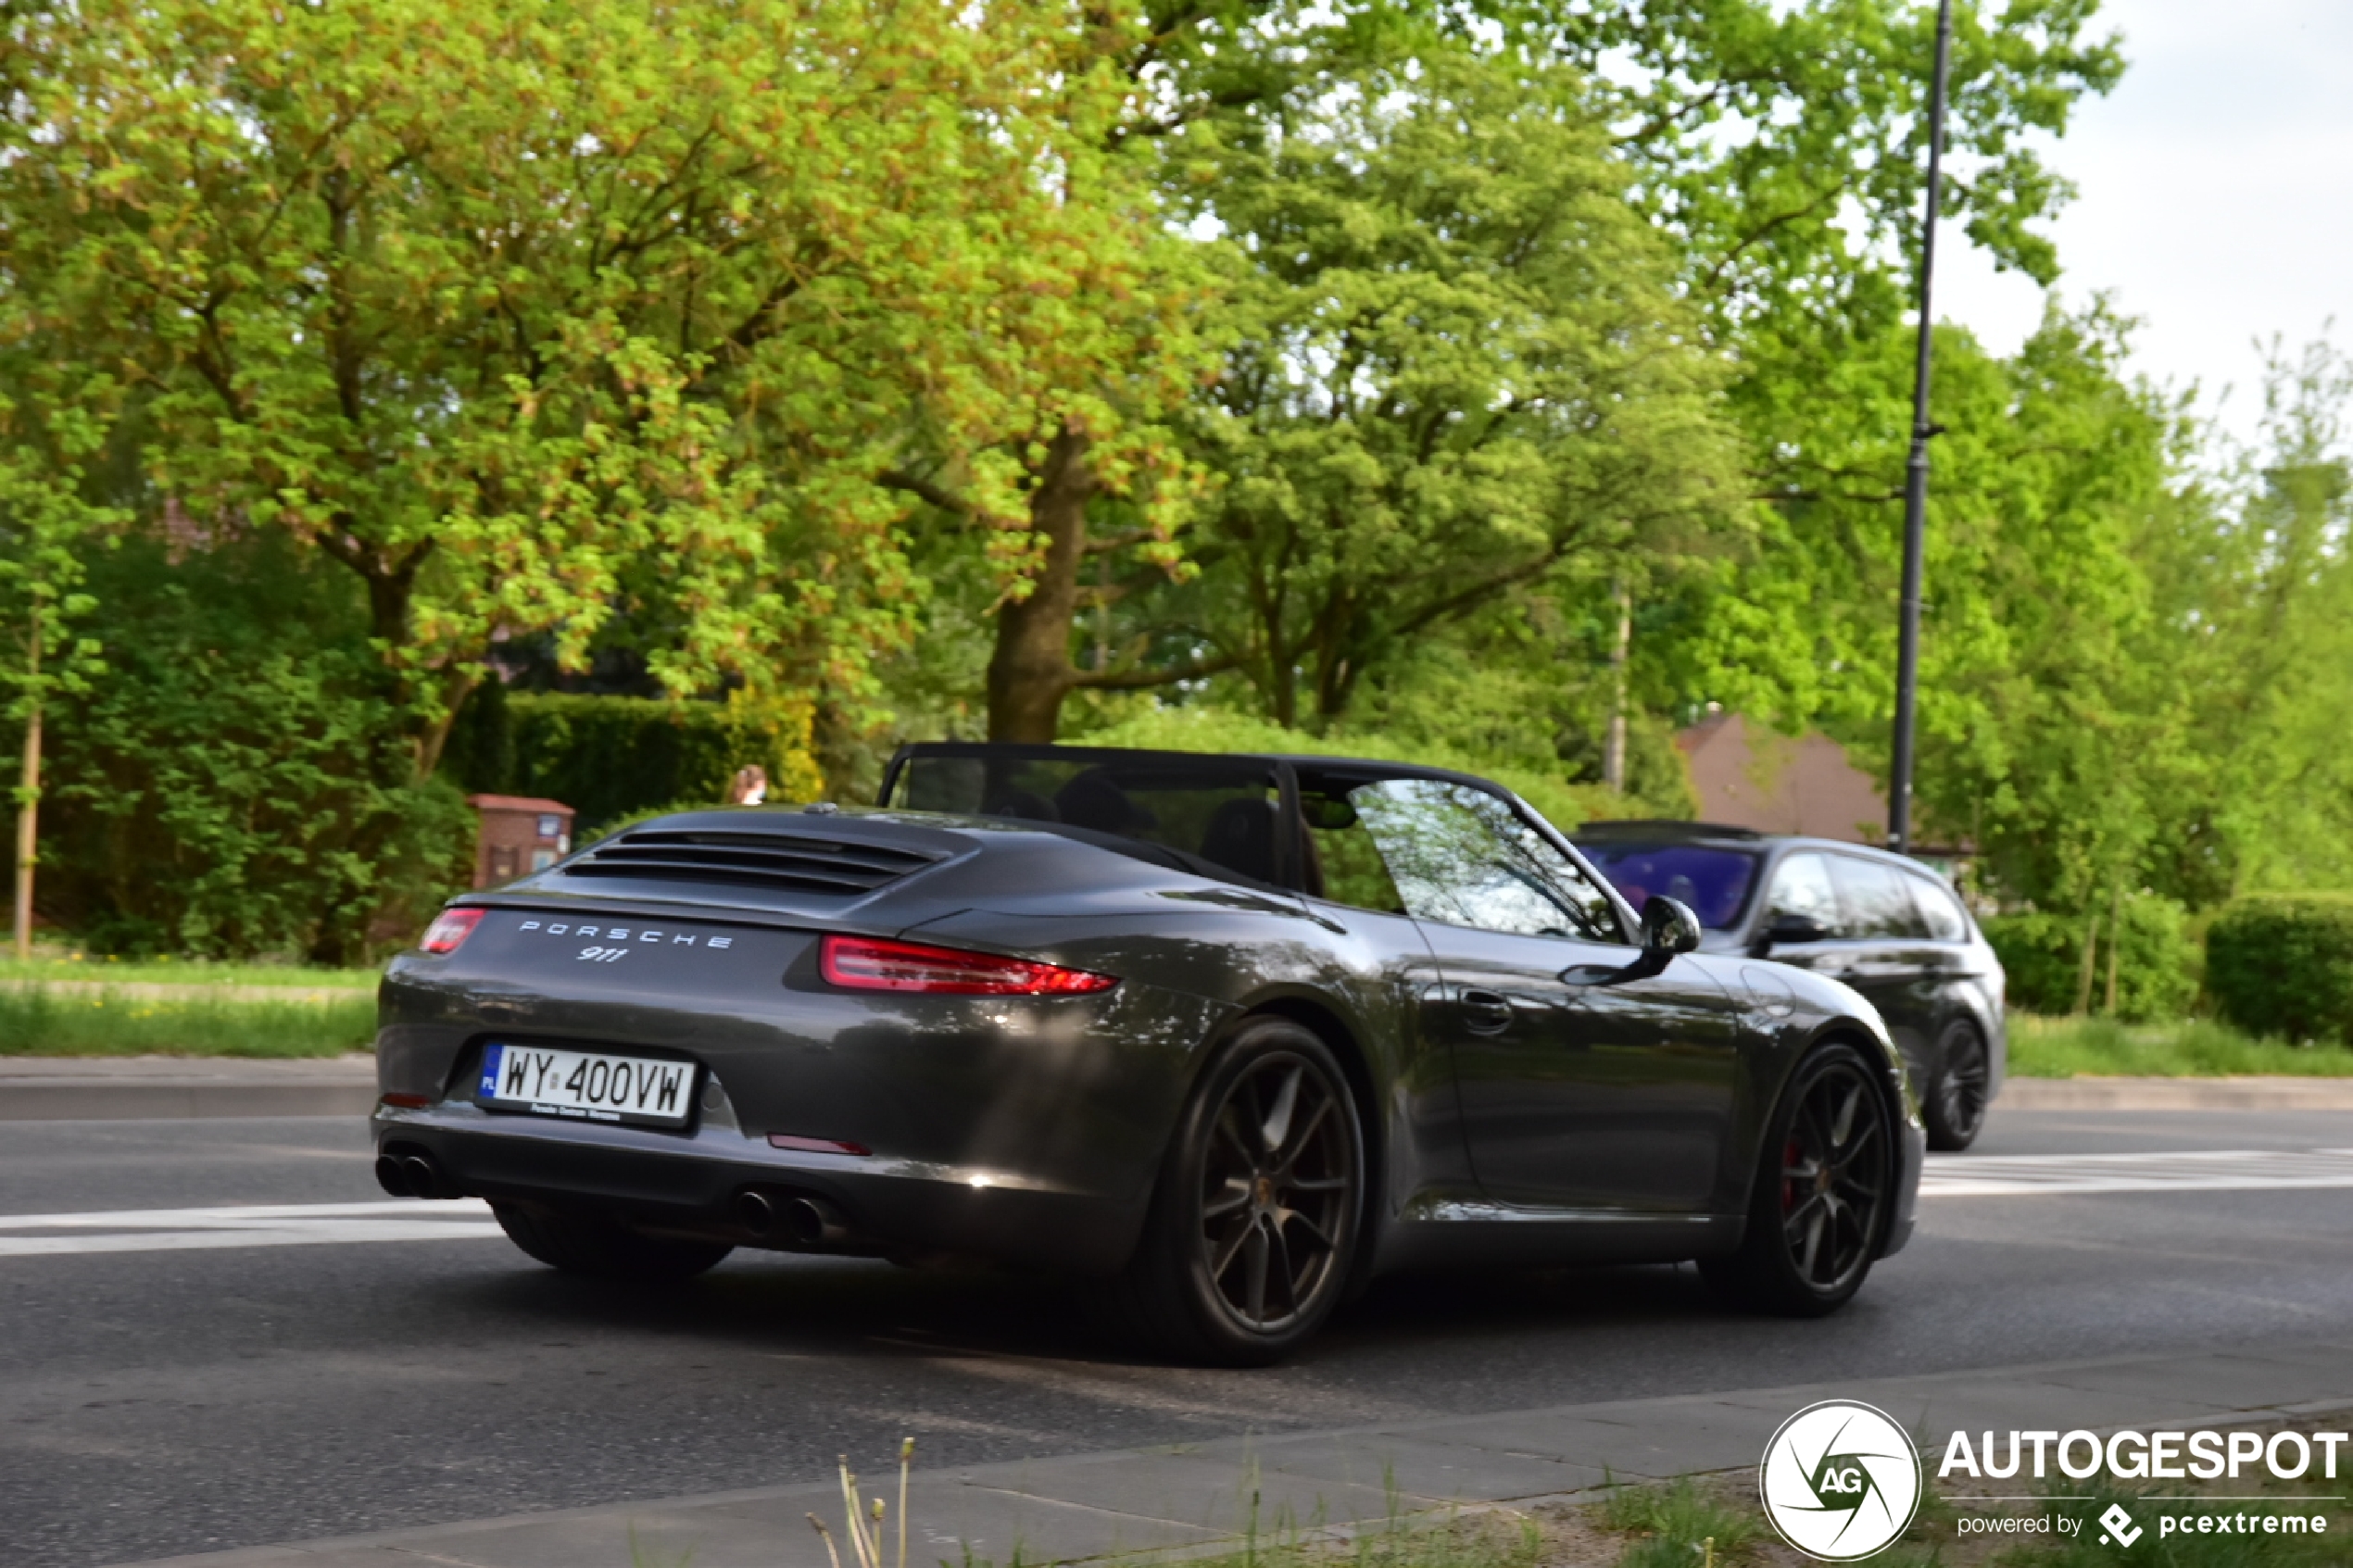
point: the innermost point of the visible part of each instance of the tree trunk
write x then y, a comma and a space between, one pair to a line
1614, 747
29, 804
2091, 963
2115, 939
1031, 672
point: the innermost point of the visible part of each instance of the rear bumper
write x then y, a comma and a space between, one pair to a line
686, 1185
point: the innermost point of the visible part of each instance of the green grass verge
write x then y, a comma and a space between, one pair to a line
166, 971
36, 1022
2070, 1048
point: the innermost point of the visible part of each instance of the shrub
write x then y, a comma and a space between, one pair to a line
613, 757
237, 783
2283, 966
2156, 975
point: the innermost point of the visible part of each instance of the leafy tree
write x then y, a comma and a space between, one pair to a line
1460, 362
1775, 147
525, 314
46, 520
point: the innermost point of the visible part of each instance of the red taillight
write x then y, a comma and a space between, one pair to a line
868, 963
449, 929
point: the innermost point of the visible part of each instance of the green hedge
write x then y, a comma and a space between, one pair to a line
2156, 975
2283, 966
612, 757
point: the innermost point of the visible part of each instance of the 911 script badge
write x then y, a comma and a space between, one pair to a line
614, 943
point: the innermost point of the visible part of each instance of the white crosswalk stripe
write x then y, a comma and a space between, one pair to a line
270, 1225
314, 1225
2219, 1169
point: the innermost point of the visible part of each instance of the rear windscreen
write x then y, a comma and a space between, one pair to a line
1227, 813
1715, 883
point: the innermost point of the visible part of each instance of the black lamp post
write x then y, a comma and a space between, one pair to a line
1908, 647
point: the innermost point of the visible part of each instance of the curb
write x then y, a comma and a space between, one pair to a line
2175, 1094
149, 1088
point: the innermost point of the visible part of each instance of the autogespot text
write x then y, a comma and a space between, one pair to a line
2152, 1456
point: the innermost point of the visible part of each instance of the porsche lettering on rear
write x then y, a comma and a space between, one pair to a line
612, 933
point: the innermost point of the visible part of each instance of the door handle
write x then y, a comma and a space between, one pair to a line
1485, 1012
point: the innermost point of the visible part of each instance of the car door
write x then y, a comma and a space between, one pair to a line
1802, 898
1585, 1083
1893, 960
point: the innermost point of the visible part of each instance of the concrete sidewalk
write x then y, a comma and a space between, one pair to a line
142, 1088
2175, 1094
1189, 1498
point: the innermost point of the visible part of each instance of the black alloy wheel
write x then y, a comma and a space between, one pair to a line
1821, 1206
1254, 1225
1955, 1110
1278, 1185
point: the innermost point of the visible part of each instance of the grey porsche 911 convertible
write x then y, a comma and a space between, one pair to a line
1231, 1033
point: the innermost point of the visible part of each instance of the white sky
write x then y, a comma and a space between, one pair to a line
2214, 194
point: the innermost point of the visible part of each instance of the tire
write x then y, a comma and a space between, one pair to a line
1254, 1222
1824, 1183
1954, 1107
598, 1245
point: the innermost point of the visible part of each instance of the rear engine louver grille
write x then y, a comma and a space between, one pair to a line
790, 863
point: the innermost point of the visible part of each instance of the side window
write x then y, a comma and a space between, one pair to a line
1346, 856
1461, 857
1802, 887
1874, 897
1946, 922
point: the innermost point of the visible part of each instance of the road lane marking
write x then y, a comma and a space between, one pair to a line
315, 1224
267, 1224
2217, 1170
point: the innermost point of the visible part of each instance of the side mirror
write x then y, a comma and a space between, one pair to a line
1788, 926
1669, 926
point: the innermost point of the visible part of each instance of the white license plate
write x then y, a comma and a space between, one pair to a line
587, 1086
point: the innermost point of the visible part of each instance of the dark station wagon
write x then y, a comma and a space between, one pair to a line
1882, 924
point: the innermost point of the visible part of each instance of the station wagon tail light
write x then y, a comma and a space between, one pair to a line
449, 930
868, 963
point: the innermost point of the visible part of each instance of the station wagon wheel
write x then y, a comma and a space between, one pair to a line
1821, 1200
1253, 1227
1956, 1096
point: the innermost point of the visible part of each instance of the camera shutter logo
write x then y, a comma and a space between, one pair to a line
1840, 1480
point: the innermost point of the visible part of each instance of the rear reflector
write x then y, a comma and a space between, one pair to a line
449, 929
867, 963
408, 1102
815, 1145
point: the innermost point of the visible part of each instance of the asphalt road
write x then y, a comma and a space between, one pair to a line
156, 1402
